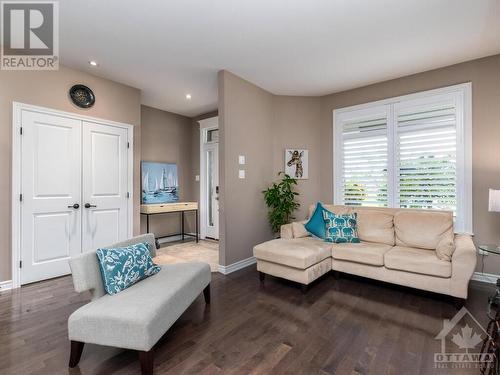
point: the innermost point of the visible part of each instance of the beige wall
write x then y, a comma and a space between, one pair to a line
114, 101
169, 138
485, 77
297, 124
245, 121
260, 126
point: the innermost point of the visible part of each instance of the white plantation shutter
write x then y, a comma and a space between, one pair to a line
364, 161
409, 152
426, 153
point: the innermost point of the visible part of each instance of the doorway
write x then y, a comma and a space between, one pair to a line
209, 178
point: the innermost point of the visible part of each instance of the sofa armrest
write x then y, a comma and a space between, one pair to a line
463, 264
286, 232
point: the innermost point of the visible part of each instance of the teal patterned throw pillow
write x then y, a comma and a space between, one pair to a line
341, 228
124, 266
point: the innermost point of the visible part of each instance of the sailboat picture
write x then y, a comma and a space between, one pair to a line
160, 183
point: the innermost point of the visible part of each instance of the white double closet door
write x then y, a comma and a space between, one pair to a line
74, 184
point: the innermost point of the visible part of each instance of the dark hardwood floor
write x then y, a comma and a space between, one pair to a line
346, 326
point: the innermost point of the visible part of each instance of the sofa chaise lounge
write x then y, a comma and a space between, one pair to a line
137, 317
397, 246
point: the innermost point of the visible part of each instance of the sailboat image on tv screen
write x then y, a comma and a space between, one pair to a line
160, 183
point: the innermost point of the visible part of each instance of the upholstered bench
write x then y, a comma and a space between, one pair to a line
139, 316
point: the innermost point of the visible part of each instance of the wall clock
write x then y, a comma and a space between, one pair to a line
82, 96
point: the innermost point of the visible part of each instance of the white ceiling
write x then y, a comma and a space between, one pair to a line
291, 47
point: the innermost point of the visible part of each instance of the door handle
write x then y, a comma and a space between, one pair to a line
76, 206
88, 205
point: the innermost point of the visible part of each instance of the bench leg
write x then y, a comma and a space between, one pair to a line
206, 294
76, 353
262, 276
304, 288
146, 359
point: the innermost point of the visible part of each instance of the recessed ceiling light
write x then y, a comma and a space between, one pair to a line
93, 63
188, 96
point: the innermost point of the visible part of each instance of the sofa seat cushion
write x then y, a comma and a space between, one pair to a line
298, 252
416, 260
364, 252
137, 317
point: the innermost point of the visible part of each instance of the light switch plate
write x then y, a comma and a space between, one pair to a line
197, 177
241, 159
241, 173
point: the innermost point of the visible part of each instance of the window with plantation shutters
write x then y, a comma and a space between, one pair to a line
364, 163
407, 152
426, 155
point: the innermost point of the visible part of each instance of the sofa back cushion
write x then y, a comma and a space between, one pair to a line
375, 225
432, 230
299, 230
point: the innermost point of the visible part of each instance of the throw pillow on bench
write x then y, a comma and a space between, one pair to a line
124, 266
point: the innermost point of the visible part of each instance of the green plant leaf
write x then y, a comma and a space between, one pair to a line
280, 200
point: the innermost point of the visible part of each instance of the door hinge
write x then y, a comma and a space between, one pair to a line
21, 130
128, 194
20, 197
20, 264
128, 144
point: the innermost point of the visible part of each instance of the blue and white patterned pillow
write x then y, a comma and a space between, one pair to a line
124, 266
341, 228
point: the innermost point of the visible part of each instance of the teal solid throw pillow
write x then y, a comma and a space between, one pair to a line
124, 266
316, 224
341, 228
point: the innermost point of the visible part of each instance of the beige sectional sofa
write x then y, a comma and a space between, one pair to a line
414, 248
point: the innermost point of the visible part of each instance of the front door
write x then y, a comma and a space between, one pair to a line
212, 190
51, 192
105, 184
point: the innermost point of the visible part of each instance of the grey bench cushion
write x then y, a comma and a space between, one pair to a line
137, 317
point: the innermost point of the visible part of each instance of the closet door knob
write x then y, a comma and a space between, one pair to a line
88, 205
76, 206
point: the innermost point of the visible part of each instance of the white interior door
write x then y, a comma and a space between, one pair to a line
212, 190
50, 186
105, 183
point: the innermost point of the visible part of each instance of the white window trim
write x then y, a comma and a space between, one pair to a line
464, 126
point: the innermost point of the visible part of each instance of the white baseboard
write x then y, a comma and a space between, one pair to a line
225, 270
5, 285
489, 278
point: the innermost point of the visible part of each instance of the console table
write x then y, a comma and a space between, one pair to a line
169, 208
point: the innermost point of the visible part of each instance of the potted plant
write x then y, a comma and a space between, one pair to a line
280, 199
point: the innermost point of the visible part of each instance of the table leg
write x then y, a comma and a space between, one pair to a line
147, 223
182, 225
196, 218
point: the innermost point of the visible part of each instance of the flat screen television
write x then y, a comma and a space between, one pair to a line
160, 183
